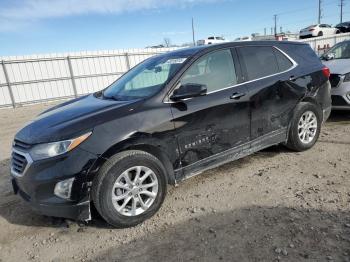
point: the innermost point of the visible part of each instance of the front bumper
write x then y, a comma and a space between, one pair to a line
326, 114
341, 96
79, 211
36, 185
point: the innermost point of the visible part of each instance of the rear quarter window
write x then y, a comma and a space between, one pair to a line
283, 62
302, 54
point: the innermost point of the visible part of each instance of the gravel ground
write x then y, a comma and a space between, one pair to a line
275, 205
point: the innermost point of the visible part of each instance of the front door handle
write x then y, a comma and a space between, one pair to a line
237, 96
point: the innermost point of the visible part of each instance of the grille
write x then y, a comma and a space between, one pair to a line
18, 163
334, 79
338, 101
20, 145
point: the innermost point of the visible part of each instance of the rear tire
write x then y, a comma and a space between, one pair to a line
120, 180
320, 33
305, 127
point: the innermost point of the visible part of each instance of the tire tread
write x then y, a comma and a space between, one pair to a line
293, 142
103, 172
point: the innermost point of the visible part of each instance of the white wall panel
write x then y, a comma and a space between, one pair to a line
36, 78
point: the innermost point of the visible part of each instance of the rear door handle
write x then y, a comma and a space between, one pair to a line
237, 96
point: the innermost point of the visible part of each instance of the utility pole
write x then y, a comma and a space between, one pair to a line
194, 40
275, 19
265, 31
319, 11
341, 10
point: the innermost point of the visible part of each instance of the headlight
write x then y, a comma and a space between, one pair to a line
48, 150
347, 77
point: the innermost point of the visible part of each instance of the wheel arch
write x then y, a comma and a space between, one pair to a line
146, 145
310, 99
306, 99
304, 102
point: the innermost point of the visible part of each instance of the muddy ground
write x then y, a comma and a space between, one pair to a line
274, 205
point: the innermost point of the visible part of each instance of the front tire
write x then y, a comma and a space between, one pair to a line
305, 127
129, 188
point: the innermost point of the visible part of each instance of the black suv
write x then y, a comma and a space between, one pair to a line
169, 118
343, 27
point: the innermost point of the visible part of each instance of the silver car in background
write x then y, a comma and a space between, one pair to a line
337, 59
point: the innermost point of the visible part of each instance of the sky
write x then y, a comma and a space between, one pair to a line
53, 26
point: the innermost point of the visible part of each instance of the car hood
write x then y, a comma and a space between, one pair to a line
71, 119
338, 66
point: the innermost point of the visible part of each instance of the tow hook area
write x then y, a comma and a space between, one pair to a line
86, 213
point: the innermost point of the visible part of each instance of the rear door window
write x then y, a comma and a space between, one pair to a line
259, 61
263, 61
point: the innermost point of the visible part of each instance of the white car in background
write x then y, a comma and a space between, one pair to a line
318, 30
337, 59
212, 40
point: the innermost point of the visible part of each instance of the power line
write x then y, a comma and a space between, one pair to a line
286, 26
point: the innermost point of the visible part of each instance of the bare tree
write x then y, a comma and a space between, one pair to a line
167, 42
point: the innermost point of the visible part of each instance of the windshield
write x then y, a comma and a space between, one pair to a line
145, 79
339, 51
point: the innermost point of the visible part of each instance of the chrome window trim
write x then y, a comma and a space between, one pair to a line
29, 162
295, 64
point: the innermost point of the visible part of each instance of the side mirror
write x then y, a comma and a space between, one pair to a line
329, 56
189, 91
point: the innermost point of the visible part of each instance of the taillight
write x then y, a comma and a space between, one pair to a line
312, 29
326, 72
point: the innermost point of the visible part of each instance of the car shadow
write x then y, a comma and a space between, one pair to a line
336, 118
246, 234
339, 116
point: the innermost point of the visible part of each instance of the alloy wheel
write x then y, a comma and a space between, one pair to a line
307, 127
135, 191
